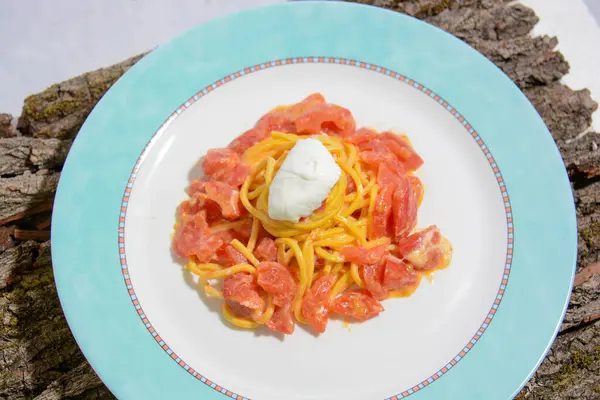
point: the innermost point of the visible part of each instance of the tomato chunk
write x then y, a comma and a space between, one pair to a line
242, 288
229, 256
266, 250
277, 280
315, 305
358, 304
330, 118
248, 139
200, 202
399, 275
307, 104
282, 321
363, 255
239, 310
381, 223
276, 121
417, 187
402, 150
373, 277
361, 135
227, 197
225, 165
194, 238
426, 250
404, 208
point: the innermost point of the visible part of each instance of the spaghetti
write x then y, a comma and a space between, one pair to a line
358, 248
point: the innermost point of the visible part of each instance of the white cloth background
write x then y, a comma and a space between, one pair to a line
49, 41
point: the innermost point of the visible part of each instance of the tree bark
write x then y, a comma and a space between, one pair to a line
38, 356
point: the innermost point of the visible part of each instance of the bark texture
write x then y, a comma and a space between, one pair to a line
38, 356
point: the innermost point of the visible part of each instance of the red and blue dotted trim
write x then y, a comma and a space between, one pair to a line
326, 60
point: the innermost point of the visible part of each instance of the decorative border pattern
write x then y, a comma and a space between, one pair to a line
325, 60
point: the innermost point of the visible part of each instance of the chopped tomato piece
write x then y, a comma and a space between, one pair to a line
239, 310
403, 150
426, 250
193, 238
197, 186
404, 208
229, 256
227, 197
242, 289
373, 276
363, 255
276, 121
375, 153
183, 210
243, 231
315, 305
361, 135
248, 139
326, 117
388, 176
282, 321
417, 187
225, 165
398, 275
277, 280
381, 224
358, 304
310, 102
199, 202
266, 250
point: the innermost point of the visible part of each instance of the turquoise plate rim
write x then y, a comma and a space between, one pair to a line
88, 200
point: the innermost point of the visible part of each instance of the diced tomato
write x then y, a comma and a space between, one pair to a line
276, 121
199, 202
387, 176
426, 250
227, 197
307, 104
277, 280
193, 238
239, 310
373, 277
417, 187
183, 210
364, 256
361, 135
358, 304
375, 153
398, 275
229, 256
244, 231
326, 117
197, 186
403, 150
266, 250
248, 139
381, 224
242, 288
282, 321
315, 305
404, 208
225, 165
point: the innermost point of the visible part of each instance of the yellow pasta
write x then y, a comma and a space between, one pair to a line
309, 252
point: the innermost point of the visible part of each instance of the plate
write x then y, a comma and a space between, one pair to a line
495, 185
